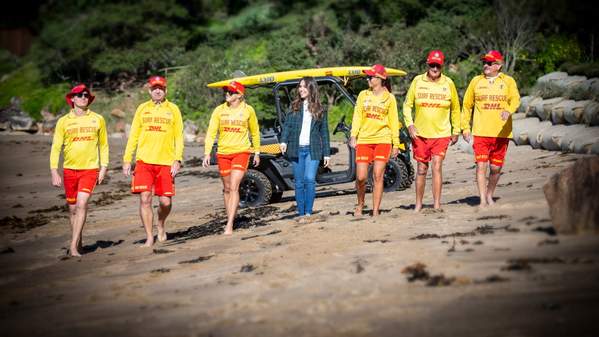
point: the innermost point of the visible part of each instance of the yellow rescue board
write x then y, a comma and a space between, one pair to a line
268, 78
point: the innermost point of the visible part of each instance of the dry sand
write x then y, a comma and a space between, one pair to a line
342, 276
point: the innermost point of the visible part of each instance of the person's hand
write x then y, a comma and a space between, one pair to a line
466, 136
394, 152
454, 139
127, 169
327, 161
412, 131
175, 168
56, 179
283, 147
206, 161
102, 174
256, 159
505, 115
352, 142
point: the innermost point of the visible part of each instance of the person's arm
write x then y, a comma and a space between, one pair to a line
178, 131
393, 120
409, 104
254, 130
513, 97
455, 110
467, 108
213, 126
103, 143
57, 142
324, 133
136, 126
356, 123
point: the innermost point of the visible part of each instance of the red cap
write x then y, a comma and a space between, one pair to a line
377, 70
492, 56
157, 81
236, 87
78, 89
435, 57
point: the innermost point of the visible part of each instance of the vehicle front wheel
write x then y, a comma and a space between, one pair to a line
255, 189
392, 178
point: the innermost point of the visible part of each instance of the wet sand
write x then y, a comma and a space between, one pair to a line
495, 272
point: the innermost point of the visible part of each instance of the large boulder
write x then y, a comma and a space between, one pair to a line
553, 137
543, 109
573, 196
520, 128
581, 140
557, 75
531, 106
574, 112
535, 133
591, 114
557, 112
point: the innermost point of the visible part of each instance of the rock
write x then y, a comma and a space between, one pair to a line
518, 115
190, 131
557, 112
573, 195
557, 75
544, 110
531, 105
23, 123
555, 136
591, 114
573, 113
118, 113
535, 134
520, 129
579, 141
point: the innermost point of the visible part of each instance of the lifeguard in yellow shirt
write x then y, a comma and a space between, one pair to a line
434, 100
234, 121
494, 98
157, 139
82, 132
374, 134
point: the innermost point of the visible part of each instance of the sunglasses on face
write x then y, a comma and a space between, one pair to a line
488, 63
82, 95
434, 66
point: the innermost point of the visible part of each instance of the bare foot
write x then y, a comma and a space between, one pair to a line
490, 200
375, 213
483, 205
74, 252
417, 208
161, 235
149, 243
228, 230
358, 211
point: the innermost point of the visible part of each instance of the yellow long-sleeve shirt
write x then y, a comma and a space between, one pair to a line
437, 107
489, 99
233, 127
375, 119
83, 137
156, 134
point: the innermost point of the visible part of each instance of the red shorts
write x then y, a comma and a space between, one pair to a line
147, 176
490, 149
76, 181
366, 153
425, 148
233, 161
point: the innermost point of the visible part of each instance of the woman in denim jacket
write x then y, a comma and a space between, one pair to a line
305, 141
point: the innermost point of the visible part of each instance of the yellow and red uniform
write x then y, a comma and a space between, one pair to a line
83, 137
437, 115
233, 127
489, 98
375, 122
157, 139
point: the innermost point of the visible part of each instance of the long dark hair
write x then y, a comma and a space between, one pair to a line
313, 98
387, 83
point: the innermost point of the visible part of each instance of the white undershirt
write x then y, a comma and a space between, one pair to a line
304, 138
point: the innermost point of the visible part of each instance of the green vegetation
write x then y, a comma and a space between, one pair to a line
115, 45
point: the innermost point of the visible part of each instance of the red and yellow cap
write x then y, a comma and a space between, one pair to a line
492, 56
157, 81
377, 70
76, 90
235, 87
435, 57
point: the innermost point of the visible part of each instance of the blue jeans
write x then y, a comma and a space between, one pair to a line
304, 173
